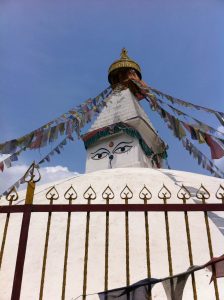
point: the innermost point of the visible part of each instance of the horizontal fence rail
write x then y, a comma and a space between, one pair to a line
110, 207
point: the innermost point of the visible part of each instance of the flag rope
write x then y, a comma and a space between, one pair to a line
126, 289
73, 120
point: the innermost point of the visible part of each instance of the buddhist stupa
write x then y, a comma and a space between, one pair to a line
98, 251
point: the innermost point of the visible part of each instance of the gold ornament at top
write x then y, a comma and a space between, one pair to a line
124, 54
124, 62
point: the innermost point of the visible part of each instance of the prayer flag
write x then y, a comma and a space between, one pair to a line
54, 133
41, 161
17, 184
174, 286
200, 136
69, 128
62, 128
216, 266
136, 291
2, 166
52, 152
216, 150
220, 117
38, 138
14, 157
57, 150
47, 158
45, 137
7, 162
64, 142
9, 147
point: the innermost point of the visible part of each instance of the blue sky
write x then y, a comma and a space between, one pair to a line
55, 54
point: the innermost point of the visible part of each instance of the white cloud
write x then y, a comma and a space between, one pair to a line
55, 173
48, 174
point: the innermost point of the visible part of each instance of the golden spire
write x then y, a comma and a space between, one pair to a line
122, 63
124, 54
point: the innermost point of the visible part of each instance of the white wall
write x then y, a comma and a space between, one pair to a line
131, 156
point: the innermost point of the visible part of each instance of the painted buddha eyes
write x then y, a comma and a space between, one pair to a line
100, 154
121, 148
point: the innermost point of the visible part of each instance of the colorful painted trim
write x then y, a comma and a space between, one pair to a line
94, 136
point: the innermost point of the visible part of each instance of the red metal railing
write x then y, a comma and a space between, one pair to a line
28, 208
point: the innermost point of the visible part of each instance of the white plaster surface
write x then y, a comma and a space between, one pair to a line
121, 106
135, 178
124, 107
133, 157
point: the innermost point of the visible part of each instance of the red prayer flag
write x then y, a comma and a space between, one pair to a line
216, 150
38, 138
216, 266
2, 166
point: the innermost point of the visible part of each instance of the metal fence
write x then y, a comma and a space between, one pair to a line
126, 194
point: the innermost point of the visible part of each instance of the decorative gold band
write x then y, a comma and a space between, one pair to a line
124, 64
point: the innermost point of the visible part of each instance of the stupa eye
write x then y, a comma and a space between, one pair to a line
122, 148
100, 154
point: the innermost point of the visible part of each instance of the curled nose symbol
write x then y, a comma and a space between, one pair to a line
111, 157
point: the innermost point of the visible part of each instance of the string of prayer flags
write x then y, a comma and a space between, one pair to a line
138, 290
71, 121
177, 127
7, 162
219, 115
44, 159
202, 160
172, 122
173, 285
198, 124
199, 131
198, 127
216, 145
8, 147
53, 151
41, 137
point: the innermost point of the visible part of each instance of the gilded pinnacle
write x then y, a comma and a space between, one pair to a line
123, 63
